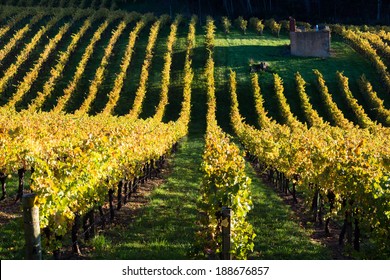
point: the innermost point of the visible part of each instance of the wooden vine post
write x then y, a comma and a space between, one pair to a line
226, 233
32, 232
21, 173
75, 230
120, 186
111, 202
3, 185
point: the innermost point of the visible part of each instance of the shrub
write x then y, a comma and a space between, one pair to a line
257, 24
285, 25
226, 24
242, 24
305, 25
274, 26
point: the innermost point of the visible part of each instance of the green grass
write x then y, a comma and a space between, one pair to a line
12, 240
233, 51
12, 235
165, 227
279, 235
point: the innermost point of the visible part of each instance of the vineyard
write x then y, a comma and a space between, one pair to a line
96, 103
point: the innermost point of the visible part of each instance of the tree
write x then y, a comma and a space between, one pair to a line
228, 4
378, 15
249, 5
308, 7
200, 10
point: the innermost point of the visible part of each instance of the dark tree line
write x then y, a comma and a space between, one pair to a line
345, 11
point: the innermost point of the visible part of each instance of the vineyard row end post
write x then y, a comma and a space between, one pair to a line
226, 233
31, 227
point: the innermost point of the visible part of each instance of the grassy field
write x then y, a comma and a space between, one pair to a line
165, 226
233, 51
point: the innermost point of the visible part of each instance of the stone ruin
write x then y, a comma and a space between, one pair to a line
312, 43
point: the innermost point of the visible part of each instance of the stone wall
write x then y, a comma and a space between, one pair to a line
311, 43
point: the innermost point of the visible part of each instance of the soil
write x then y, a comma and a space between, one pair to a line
9, 210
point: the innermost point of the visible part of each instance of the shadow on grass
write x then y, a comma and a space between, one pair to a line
11, 221
234, 51
12, 240
279, 235
165, 227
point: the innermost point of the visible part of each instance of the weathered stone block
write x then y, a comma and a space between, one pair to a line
311, 43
